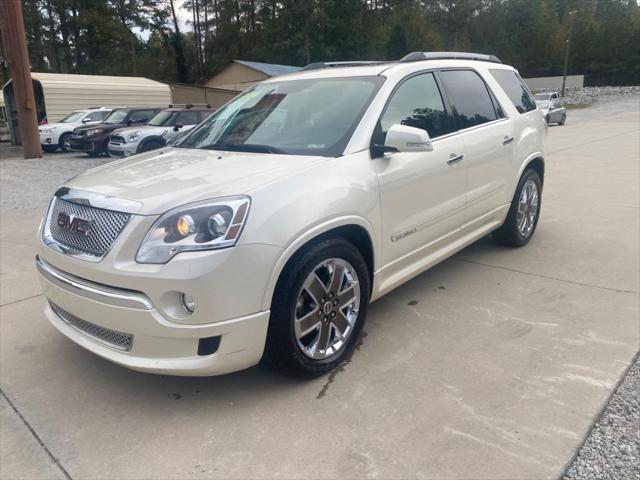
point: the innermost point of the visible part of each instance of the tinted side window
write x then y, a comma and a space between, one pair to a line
470, 97
142, 116
417, 103
517, 92
188, 118
96, 116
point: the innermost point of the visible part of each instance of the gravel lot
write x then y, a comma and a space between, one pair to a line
589, 95
49, 173
612, 449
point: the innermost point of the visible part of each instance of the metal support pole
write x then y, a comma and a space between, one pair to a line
15, 43
566, 53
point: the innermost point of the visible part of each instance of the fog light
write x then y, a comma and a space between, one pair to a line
188, 302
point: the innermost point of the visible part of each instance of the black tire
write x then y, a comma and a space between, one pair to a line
546, 119
563, 120
509, 234
49, 148
150, 145
62, 143
282, 350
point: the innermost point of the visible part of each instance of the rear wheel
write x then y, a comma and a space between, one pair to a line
318, 308
524, 212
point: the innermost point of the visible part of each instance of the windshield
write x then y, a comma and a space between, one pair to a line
117, 116
164, 119
297, 117
72, 117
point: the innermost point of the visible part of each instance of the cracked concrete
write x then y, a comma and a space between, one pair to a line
494, 364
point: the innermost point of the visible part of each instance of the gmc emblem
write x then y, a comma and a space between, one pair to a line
74, 224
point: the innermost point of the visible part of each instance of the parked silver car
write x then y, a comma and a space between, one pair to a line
549, 103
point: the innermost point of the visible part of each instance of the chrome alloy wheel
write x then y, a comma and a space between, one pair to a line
528, 208
327, 308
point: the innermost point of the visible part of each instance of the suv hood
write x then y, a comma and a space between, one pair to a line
58, 125
104, 126
147, 129
166, 178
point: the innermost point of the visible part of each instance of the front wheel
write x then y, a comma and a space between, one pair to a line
318, 308
150, 145
524, 212
563, 119
65, 142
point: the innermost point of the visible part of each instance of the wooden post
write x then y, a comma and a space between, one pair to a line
15, 43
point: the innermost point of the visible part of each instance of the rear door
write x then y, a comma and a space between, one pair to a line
488, 138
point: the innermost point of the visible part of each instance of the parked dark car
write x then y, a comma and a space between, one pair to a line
158, 131
93, 139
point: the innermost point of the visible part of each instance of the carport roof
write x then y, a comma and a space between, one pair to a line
271, 69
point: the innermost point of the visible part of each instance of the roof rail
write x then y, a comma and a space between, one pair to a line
418, 56
189, 105
359, 63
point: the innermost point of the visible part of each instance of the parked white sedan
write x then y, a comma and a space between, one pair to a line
57, 135
549, 104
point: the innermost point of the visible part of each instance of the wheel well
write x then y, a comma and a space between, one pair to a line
537, 165
354, 234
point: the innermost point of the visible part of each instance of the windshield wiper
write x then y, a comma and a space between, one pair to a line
243, 147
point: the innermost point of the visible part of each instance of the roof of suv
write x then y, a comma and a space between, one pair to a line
413, 61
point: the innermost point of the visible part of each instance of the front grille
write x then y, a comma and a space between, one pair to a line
119, 340
117, 139
104, 227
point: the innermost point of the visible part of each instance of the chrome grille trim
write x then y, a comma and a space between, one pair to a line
94, 291
105, 336
106, 226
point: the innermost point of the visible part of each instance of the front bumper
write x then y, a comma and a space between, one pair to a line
122, 149
84, 310
81, 145
49, 139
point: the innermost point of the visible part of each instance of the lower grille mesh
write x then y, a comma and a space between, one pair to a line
119, 340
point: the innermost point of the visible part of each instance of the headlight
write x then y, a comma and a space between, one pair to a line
206, 225
133, 136
48, 130
94, 131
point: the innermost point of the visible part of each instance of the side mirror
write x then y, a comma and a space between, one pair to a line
86, 120
177, 127
401, 138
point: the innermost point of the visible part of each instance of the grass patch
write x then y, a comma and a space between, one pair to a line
577, 106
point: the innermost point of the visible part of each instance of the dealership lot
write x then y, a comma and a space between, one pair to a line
493, 364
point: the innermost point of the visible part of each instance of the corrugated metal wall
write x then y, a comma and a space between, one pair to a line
64, 93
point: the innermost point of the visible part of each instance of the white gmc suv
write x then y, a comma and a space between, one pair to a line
269, 229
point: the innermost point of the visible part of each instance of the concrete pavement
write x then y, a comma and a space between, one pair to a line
493, 364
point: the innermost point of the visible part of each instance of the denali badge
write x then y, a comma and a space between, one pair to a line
74, 224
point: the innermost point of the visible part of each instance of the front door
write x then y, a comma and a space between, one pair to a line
422, 193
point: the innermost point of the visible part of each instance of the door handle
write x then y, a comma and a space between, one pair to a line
507, 140
453, 158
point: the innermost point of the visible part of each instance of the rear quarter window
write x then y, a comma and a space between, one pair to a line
515, 89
